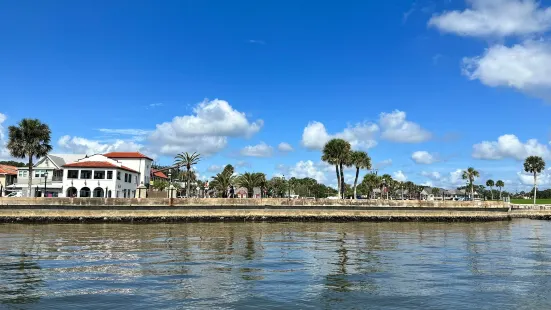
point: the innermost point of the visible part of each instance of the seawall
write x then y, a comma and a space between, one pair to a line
145, 210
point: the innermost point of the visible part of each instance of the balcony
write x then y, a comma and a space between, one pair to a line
57, 178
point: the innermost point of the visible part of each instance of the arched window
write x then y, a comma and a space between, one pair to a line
98, 192
85, 192
71, 192
109, 194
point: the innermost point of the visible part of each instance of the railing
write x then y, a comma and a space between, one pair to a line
57, 178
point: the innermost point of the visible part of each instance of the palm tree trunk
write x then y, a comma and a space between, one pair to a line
472, 192
492, 189
342, 181
30, 183
188, 181
535, 186
338, 179
356, 181
500, 193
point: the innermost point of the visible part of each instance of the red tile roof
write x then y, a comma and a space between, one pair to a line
159, 174
97, 164
5, 169
126, 155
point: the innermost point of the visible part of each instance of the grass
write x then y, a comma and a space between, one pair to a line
530, 201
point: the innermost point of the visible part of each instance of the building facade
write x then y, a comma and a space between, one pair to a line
8, 176
136, 161
99, 176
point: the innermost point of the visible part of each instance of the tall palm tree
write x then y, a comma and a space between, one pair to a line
337, 152
387, 181
470, 174
371, 181
221, 181
187, 160
30, 138
360, 160
490, 183
535, 165
500, 185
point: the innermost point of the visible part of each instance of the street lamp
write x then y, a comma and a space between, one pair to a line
170, 182
45, 179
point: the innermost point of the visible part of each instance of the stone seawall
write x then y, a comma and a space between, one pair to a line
148, 210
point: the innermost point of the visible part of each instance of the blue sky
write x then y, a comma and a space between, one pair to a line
426, 87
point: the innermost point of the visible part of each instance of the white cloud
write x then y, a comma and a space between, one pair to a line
4, 153
242, 164
285, 147
525, 67
396, 128
495, 18
456, 177
206, 132
260, 150
435, 175
428, 183
215, 168
399, 176
509, 146
423, 157
80, 145
361, 135
383, 164
543, 179
129, 132
307, 169
154, 105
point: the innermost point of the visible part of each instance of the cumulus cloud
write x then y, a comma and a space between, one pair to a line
383, 164
452, 179
423, 157
129, 132
434, 175
543, 179
395, 127
399, 176
509, 146
215, 168
525, 67
285, 147
4, 153
260, 150
361, 135
80, 145
206, 131
307, 169
495, 18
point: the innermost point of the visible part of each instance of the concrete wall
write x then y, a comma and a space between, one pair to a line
214, 202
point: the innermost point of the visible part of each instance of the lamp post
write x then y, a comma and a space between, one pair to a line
285, 184
170, 182
45, 179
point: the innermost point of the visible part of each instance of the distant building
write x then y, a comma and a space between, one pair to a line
136, 161
8, 176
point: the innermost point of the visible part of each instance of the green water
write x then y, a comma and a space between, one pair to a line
494, 265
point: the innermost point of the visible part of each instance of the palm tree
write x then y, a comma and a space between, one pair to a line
223, 180
250, 181
31, 138
500, 185
470, 174
490, 183
371, 181
337, 152
360, 160
387, 181
535, 165
187, 160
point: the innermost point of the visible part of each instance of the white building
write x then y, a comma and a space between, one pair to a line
136, 161
99, 176
47, 174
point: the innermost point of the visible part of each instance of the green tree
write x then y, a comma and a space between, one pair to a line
159, 185
490, 183
337, 152
370, 182
360, 160
470, 174
30, 138
12, 163
435, 191
187, 160
250, 181
221, 181
386, 182
276, 187
500, 185
535, 165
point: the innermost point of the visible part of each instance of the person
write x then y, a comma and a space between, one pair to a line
232, 191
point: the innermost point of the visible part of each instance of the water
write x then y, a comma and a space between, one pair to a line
494, 265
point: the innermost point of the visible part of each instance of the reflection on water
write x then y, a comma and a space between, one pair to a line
502, 265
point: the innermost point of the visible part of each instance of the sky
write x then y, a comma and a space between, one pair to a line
427, 88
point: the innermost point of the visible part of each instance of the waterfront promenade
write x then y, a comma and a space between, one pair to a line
152, 210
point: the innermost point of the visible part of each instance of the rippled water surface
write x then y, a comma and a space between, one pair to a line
494, 265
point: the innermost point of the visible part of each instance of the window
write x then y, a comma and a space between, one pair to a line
99, 175
136, 179
118, 178
39, 173
72, 174
109, 175
23, 173
86, 174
